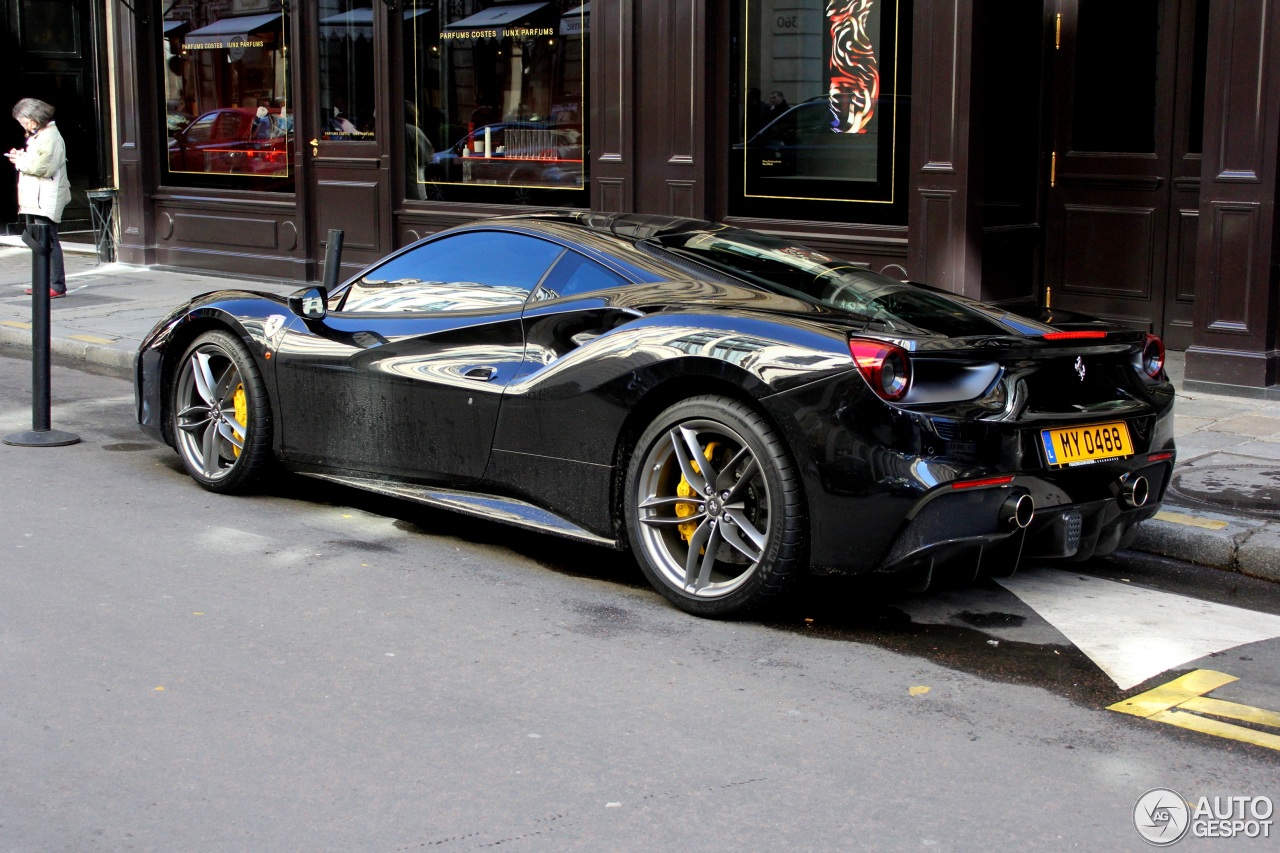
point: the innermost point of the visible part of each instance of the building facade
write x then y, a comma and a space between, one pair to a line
57, 51
1115, 158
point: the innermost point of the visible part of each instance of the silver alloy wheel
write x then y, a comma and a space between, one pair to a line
210, 432
729, 509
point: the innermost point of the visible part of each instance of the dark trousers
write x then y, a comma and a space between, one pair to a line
57, 268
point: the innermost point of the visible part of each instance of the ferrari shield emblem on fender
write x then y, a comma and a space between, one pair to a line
272, 325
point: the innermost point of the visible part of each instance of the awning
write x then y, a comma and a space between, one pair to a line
174, 29
358, 23
232, 32
500, 22
574, 22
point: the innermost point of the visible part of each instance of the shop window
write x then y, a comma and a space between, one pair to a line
225, 72
820, 110
346, 64
495, 101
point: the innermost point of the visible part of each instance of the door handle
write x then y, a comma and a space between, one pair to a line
315, 147
481, 374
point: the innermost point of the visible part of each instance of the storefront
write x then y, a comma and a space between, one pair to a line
978, 145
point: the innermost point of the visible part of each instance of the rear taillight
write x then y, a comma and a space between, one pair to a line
1002, 480
887, 368
1153, 357
1074, 336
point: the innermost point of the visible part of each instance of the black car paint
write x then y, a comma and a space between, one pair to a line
575, 379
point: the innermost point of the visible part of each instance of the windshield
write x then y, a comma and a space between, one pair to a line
815, 277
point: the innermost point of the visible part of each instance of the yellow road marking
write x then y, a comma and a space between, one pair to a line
15, 324
1189, 520
1233, 711
1217, 728
91, 339
1175, 702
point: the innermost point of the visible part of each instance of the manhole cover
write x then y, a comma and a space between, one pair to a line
1253, 489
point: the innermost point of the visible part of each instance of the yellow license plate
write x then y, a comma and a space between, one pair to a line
1086, 444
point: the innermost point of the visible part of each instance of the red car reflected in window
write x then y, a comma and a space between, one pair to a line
235, 141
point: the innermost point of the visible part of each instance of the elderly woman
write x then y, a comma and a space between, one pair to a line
43, 188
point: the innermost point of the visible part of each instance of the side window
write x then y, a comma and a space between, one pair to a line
473, 271
228, 127
575, 274
201, 130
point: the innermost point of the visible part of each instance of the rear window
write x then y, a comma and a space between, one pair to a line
799, 271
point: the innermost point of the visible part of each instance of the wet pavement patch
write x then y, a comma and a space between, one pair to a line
603, 620
1248, 489
80, 299
360, 545
992, 620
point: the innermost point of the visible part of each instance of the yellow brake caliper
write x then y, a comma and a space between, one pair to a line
684, 490
242, 414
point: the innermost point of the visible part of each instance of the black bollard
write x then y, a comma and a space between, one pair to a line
333, 260
41, 434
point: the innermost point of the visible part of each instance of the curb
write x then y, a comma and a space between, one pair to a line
113, 359
1247, 546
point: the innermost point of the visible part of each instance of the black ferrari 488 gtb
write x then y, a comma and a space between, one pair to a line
737, 409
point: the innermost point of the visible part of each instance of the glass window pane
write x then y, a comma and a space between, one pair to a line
820, 108
495, 101
346, 78
1115, 85
1199, 65
225, 78
475, 271
575, 274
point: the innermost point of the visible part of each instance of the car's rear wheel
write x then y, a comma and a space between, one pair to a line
221, 416
715, 509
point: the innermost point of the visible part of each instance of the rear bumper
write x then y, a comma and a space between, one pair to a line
973, 526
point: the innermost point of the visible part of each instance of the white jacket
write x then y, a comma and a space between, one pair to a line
43, 188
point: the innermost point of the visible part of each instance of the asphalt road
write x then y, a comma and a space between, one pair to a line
318, 669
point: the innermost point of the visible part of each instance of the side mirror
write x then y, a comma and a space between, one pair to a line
310, 303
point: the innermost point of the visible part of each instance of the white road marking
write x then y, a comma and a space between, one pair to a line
1133, 633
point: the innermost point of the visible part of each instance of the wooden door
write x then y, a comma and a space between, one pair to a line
1110, 163
54, 58
348, 138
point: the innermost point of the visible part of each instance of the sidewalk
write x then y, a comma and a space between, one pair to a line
1222, 509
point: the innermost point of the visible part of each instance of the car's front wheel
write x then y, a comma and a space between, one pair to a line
715, 510
221, 416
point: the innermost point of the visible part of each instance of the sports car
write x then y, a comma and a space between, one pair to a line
737, 409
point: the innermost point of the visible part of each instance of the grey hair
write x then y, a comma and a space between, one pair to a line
33, 109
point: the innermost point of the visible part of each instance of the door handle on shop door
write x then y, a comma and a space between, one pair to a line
315, 148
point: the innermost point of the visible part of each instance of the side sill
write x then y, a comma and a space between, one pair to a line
491, 507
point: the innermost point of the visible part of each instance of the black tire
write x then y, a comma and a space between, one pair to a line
221, 417
731, 550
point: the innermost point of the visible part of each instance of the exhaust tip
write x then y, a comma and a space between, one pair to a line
1017, 511
1134, 492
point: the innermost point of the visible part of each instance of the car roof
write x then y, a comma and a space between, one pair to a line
628, 227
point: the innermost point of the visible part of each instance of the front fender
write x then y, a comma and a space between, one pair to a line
250, 316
